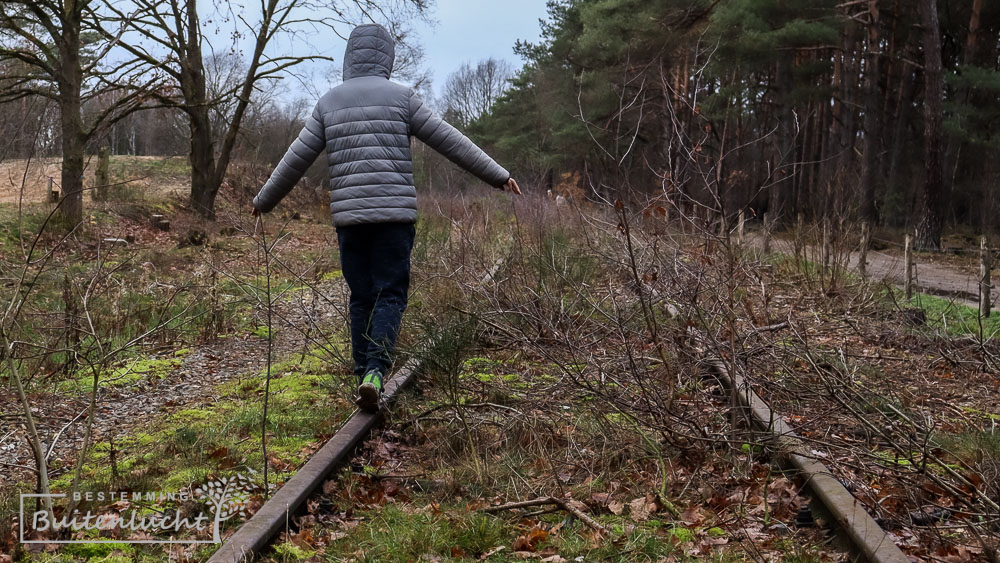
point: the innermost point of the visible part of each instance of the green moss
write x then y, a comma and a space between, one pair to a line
289, 551
989, 415
128, 373
614, 417
223, 437
184, 477
716, 532
99, 551
681, 534
480, 376
190, 415
142, 439
262, 332
333, 275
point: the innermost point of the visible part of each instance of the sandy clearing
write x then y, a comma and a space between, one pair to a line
135, 170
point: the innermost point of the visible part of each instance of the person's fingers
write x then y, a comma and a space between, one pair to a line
514, 187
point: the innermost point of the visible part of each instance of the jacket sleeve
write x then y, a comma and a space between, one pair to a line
442, 137
294, 164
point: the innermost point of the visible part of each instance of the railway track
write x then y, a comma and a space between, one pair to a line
256, 533
866, 537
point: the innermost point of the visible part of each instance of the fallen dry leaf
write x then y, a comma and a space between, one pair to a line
692, 515
641, 508
303, 539
530, 541
492, 552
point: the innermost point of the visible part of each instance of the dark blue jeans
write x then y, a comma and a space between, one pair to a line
375, 259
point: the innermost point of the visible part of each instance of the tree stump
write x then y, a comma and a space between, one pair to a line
159, 222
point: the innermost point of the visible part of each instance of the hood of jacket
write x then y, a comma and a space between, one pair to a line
370, 52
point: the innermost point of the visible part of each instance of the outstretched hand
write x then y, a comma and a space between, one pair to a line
255, 212
512, 187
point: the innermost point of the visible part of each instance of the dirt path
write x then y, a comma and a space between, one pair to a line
930, 278
125, 410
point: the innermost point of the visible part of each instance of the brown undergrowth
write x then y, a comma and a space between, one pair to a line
560, 368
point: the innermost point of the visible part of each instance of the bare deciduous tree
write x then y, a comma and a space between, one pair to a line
471, 91
57, 55
169, 36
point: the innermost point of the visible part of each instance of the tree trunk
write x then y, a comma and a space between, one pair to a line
204, 186
902, 118
70, 81
956, 147
779, 203
872, 109
935, 190
844, 139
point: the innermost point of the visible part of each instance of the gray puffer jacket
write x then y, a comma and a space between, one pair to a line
365, 125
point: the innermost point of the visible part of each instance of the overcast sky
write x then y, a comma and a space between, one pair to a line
462, 31
472, 30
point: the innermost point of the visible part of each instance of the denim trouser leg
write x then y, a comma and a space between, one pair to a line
354, 264
375, 259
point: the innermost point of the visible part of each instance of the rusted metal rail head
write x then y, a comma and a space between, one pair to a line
274, 516
870, 540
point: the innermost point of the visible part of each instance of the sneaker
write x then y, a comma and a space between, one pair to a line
370, 391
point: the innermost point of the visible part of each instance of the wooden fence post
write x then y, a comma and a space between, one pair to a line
767, 233
740, 219
102, 187
866, 236
800, 232
826, 243
985, 293
53, 194
908, 266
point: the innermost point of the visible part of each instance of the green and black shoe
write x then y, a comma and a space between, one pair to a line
370, 391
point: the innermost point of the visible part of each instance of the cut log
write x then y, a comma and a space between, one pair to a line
114, 242
159, 222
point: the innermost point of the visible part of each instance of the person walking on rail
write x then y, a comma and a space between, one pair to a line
365, 124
